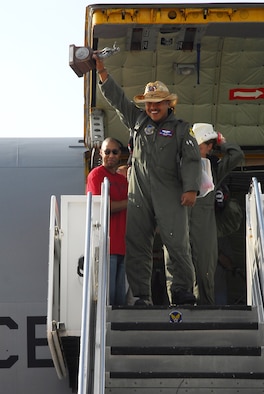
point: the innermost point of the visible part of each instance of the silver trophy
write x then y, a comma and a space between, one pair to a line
81, 58
107, 52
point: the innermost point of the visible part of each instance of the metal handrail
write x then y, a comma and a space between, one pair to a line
88, 383
54, 223
260, 214
255, 247
99, 366
53, 299
84, 359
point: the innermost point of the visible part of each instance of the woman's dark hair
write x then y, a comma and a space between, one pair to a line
212, 141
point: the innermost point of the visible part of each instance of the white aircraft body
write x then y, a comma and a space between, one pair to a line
31, 170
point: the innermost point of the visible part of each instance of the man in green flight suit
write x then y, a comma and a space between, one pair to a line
164, 182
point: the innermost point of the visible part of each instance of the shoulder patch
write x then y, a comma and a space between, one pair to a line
191, 132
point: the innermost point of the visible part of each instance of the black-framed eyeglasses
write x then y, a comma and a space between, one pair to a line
108, 151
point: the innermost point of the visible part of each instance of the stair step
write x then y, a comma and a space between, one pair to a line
154, 326
227, 313
144, 377
152, 338
187, 350
192, 364
182, 384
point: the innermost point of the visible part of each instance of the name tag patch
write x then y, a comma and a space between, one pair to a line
166, 133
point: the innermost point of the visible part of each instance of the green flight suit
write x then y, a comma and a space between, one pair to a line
203, 230
155, 189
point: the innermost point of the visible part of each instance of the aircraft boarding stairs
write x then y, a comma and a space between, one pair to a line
125, 350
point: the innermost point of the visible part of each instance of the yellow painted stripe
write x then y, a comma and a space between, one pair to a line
176, 15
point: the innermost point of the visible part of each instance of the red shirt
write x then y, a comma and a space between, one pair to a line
118, 192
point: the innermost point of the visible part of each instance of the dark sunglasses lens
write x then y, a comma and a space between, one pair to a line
108, 151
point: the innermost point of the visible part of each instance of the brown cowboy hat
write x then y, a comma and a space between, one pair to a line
155, 92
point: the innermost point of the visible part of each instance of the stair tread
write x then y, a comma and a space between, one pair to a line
220, 383
152, 338
188, 313
166, 326
187, 350
189, 375
169, 365
186, 307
